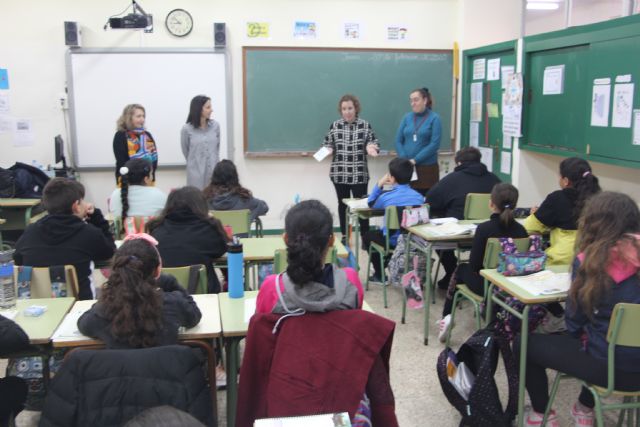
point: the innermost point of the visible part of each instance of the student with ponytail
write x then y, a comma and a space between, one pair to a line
502, 223
138, 306
309, 285
136, 195
559, 212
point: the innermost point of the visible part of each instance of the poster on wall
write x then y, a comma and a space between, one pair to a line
474, 133
305, 30
476, 102
4, 103
4, 79
487, 157
505, 163
506, 72
512, 106
351, 31
553, 80
636, 127
493, 69
257, 30
622, 105
6, 124
397, 32
23, 135
478, 69
600, 102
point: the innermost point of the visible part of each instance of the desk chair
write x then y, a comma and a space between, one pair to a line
191, 277
239, 220
392, 224
41, 280
491, 258
623, 330
280, 259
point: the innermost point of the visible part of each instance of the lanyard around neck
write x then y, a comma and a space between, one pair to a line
417, 128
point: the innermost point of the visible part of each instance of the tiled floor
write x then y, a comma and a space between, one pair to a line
419, 399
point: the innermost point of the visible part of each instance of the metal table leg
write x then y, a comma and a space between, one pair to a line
231, 347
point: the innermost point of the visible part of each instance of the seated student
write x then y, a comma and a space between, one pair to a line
187, 235
225, 193
310, 284
504, 198
12, 389
74, 233
447, 197
558, 214
136, 195
138, 307
605, 273
401, 194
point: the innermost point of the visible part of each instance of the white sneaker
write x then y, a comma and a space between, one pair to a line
444, 326
582, 416
534, 419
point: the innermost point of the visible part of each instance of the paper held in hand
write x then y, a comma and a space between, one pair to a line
357, 204
544, 282
321, 154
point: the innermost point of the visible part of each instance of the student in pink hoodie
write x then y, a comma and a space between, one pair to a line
609, 231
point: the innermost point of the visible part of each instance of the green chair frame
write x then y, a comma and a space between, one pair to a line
623, 330
391, 224
280, 259
239, 220
491, 257
182, 276
476, 206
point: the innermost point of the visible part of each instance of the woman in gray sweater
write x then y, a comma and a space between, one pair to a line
200, 141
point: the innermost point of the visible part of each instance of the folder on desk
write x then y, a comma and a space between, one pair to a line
325, 420
357, 204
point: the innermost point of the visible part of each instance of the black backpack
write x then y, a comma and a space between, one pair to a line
480, 353
7, 183
29, 181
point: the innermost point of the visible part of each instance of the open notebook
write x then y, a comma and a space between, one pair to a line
325, 420
544, 282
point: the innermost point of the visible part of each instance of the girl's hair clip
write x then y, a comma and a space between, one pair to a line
586, 173
124, 170
142, 236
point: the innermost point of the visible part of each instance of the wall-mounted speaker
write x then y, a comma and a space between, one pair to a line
219, 35
71, 34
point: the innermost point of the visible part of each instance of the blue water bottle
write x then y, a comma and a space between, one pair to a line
235, 267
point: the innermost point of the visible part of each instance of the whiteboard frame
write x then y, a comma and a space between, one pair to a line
227, 122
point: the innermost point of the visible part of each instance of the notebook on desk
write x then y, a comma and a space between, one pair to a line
357, 204
324, 420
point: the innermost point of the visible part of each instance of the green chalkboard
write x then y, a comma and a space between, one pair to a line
291, 94
607, 53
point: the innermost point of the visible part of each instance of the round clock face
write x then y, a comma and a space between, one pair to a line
179, 22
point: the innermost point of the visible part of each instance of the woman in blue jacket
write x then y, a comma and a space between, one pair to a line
605, 273
418, 139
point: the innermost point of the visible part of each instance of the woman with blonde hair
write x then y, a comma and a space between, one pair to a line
133, 141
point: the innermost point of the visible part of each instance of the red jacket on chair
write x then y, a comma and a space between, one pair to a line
314, 364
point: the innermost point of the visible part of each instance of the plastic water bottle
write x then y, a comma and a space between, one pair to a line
235, 267
7, 282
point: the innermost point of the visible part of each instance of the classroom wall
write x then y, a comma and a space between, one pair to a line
35, 59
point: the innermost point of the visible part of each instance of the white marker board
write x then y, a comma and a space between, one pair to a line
102, 81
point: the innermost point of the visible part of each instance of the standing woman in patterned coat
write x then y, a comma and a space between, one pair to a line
200, 142
350, 139
133, 141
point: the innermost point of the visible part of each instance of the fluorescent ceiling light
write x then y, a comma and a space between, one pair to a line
539, 5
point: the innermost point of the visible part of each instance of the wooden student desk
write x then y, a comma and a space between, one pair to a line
235, 314
503, 283
434, 241
40, 329
16, 212
357, 214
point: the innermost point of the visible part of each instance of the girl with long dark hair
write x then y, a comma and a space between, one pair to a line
200, 142
136, 195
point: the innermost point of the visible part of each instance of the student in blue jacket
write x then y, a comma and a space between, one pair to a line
605, 273
418, 139
400, 194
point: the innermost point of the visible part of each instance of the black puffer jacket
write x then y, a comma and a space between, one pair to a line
446, 198
109, 387
12, 337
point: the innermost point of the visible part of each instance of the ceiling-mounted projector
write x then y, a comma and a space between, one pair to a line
133, 20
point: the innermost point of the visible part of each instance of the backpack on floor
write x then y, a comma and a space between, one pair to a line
480, 353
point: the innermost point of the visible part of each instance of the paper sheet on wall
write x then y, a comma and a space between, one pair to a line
553, 80
506, 141
487, 157
505, 163
492, 110
478, 69
636, 127
474, 132
4, 78
4, 103
600, 105
476, 102
6, 124
23, 133
506, 71
493, 69
622, 105
351, 30
258, 30
512, 106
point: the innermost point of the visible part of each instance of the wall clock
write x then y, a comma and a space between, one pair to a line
179, 22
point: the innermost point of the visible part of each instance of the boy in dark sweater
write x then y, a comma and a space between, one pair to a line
447, 197
74, 232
